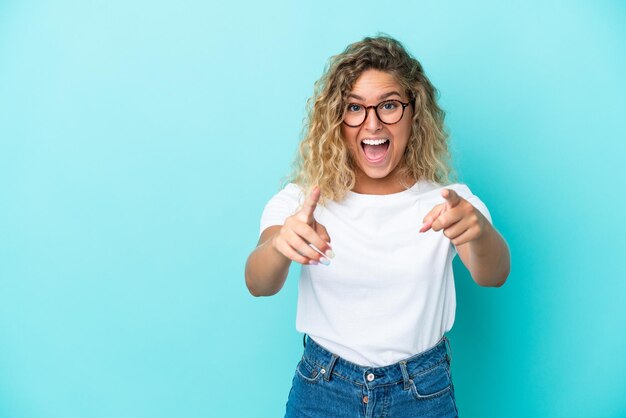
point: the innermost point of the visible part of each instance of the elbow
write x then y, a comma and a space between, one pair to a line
251, 288
254, 290
501, 279
490, 281
499, 282
250, 282
496, 280
257, 293
263, 278
497, 276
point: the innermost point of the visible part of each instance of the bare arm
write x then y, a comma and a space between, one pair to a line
481, 248
266, 268
487, 258
268, 265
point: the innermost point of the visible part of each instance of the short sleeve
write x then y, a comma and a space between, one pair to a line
282, 205
466, 194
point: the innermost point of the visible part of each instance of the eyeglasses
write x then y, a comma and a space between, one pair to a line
388, 112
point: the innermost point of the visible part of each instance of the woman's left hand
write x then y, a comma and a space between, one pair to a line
460, 220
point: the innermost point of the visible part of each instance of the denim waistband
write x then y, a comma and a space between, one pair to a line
330, 364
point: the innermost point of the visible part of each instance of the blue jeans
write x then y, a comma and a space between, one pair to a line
326, 385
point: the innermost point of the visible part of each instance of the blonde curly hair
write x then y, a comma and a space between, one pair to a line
323, 158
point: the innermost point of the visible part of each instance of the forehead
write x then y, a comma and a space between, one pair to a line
373, 83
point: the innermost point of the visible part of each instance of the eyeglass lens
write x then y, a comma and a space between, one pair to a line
388, 112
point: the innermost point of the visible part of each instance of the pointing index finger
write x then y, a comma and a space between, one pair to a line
452, 198
311, 203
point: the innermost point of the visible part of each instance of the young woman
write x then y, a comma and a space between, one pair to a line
371, 216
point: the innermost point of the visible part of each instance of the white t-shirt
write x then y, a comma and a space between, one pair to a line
389, 292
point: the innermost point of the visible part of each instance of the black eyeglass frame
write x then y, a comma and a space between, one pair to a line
367, 108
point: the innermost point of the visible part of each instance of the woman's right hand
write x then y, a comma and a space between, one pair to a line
300, 230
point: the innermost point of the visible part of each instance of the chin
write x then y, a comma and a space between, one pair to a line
376, 173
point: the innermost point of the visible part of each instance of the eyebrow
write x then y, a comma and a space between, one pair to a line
384, 96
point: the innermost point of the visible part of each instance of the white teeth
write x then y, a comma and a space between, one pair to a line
374, 141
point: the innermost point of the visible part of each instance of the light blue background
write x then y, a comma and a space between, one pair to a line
139, 142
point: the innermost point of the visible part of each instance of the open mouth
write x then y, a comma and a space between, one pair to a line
375, 150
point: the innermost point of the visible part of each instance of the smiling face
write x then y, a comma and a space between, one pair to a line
377, 148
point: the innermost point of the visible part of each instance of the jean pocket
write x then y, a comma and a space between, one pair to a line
309, 372
431, 383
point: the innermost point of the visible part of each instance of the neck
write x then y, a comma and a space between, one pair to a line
388, 185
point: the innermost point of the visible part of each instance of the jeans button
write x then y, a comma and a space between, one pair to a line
370, 377
365, 399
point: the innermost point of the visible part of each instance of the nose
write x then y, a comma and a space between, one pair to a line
372, 123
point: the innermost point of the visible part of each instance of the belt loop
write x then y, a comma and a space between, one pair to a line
405, 375
331, 365
448, 348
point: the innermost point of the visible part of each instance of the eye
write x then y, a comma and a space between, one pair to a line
353, 107
392, 105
